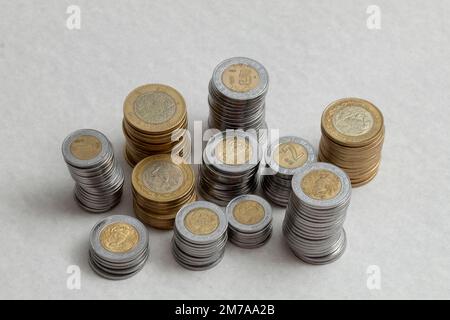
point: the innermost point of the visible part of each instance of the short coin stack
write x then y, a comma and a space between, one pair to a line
230, 166
161, 185
249, 221
283, 157
154, 121
237, 93
352, 138
118, 247
99, 178
200, 235
313, 224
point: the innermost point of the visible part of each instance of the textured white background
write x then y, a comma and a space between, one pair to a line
54, 81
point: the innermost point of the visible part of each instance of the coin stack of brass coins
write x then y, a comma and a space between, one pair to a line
118, 247
154, 122
237, 93
283, 157
313, 224
352, 138
200, 235
98, 176
161, 185
249, 221
230, 166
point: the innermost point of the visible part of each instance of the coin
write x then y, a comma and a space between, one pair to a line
352, 138
98, 176
118, 247
313, 224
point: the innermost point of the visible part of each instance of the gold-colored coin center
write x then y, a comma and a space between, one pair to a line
321, 185
290, 155
162, 177
201, 221
85, 147
248, 212
240, 77
353, 120
119, 237
155, 107
234, 151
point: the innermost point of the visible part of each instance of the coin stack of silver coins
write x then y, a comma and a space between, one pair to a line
230, 166
119, 247
237, 93
249, 221
283, 157
313, 224
200, 235
99, 178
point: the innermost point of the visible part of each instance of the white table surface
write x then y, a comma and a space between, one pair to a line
55, 80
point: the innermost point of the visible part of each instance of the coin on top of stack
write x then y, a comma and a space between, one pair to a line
154, 121
230, 165
200, 235
283, 157
161, 185
118, 247
237, 93
249, 221
98, 176
313, 224
352, 138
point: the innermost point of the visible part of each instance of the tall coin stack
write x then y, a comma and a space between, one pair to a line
237, 93
230, 166
200, 236
283, 157
313, 224
153, 117
352, 138
161, 185
98, 176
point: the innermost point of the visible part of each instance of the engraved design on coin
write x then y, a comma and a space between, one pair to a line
290, 155
240, 77
234, 151
353, 120
85, 147
321, 184
248, 212
155, 107
201, 221
119, 237
162, 177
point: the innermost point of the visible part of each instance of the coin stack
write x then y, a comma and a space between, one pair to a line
230, 166
249, 221
200, 235
313, 224
283, 157
118, 247
161, 185
154, 122
237, 93
98, 176
352, 138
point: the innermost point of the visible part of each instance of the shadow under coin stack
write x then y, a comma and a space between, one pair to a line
200, 235
98, 177
230, 166
237, 93
249, 221
161, 185
283, 158
313, 224
153, 117
118, 247
352, 138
